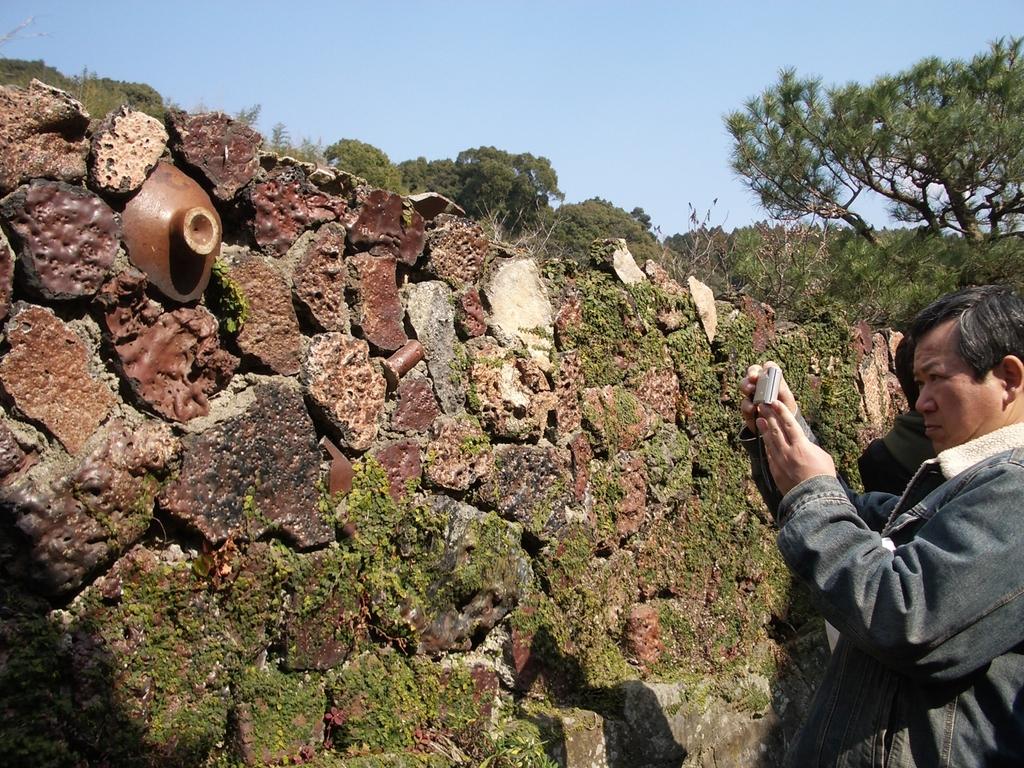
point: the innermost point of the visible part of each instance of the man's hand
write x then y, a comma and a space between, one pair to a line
792, 458
747, 387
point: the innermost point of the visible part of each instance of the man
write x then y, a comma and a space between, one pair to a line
927, 589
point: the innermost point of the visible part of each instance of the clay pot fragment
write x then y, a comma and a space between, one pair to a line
400, 363
173, 233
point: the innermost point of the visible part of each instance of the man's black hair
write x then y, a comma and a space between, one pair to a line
904, 360
990, 321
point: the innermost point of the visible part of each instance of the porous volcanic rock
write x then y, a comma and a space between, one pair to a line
458, 454
432, 317
125, 148
457, 249
6, 276
42, 134
484, 568
345, 386
658, 390
568, 385
533, 486
506, 404
172, 360
47, 373
321, 276
98, 511
387, 224
643, 634
417, 406
401, 462
378, 309
270, 333
469, 313
286, 204
224, 150
616, 418
631, 507
253, 473
68, 238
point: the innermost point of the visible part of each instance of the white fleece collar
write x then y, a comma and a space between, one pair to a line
955, 460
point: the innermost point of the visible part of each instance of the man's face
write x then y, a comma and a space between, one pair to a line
956, 407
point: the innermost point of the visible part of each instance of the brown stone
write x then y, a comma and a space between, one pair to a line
581, 455
568, 384
65, 543
47, 375
253, 473
615, 417
173, 361
632, 506
469, 314
643, 635
533, 486
457, 249
286, 205
430, 204
125, 148
658, 390
96, 512
568, 318
224, 150
321, 277
271, 330
658, 275
458, 454
401, 461
505, 404
379, 311
417, 406
42, 135
68, 238
386, 222
764, 323
346, 387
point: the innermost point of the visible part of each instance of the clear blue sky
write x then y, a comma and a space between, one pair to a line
625, 98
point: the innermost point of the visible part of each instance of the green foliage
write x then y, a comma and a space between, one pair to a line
367, 161
941, 142
513, 192
226, 300
422, 175
382, 701
99, 95
574, 226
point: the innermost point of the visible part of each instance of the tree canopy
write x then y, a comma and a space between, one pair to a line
574, 226
367, 161
942, 142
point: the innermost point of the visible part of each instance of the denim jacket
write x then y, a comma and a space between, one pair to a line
929, 668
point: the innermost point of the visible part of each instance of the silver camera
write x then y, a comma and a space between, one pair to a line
767, 389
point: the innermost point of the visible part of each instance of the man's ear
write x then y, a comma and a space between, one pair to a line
1010, 370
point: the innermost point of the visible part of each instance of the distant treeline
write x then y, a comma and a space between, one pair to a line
802, 269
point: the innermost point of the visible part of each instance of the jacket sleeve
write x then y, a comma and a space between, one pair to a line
938, 607
874, 508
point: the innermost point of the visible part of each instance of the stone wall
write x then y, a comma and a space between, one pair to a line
295, 470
